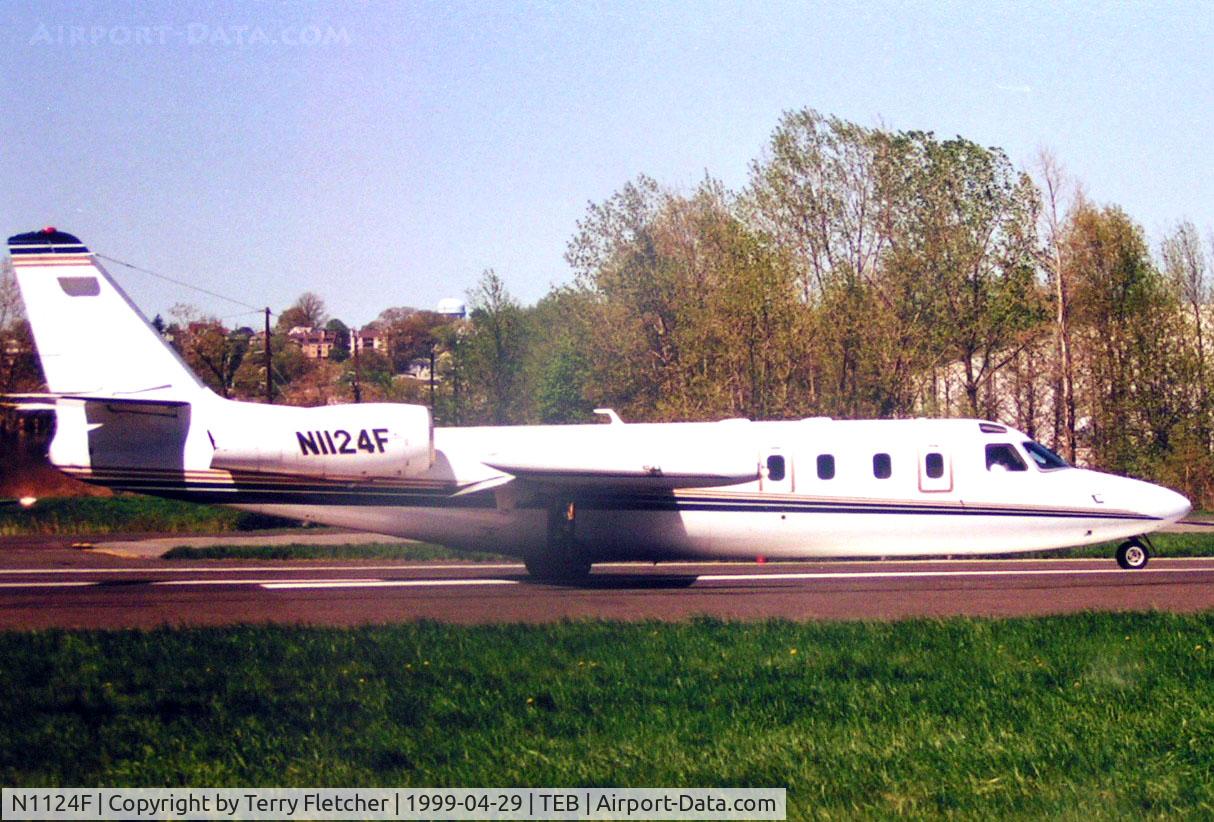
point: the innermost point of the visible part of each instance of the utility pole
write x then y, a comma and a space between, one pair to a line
358, 389
431, 379
269, 373
455, 375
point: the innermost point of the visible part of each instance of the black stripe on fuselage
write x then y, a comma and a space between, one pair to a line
318, 493
811, 506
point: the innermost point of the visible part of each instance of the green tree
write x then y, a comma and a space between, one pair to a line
556, 360
837, 200
630, 303
972, 228
687, 314
493, 354
1139, 377
341, 340
911, 253
559, 397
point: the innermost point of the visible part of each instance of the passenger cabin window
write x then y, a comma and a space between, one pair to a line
882, 467
1046, 459
826, 466
775, 468
1001, 456
934, 463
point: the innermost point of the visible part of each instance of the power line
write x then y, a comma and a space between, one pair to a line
178, 282
227, 317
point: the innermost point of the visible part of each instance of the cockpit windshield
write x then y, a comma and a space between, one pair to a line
1046, 459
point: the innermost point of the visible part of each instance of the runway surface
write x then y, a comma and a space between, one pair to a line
44, 583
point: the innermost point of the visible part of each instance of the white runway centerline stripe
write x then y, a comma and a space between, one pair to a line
1022, 572
260, 581
47, 584
386, 583
262, 569
273, 583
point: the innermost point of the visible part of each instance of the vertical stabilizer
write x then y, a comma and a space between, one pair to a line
91, 338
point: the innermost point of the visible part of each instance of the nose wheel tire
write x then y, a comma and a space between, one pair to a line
1132, 555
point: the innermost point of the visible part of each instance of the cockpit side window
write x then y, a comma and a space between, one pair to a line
1001, 456
1045, 459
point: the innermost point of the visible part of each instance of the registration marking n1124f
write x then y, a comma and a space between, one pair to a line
341, 441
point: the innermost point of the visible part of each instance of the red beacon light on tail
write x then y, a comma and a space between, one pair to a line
50, 229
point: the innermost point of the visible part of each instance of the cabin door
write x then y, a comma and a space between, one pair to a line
935, 470
775, 472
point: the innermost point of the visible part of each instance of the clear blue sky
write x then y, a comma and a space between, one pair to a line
423, 142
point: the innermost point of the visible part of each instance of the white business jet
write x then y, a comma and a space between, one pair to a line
131, 416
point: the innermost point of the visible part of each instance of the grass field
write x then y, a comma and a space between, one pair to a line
1088, 716
127, 513
415, 551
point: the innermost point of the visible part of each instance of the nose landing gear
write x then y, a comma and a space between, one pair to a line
1134, 553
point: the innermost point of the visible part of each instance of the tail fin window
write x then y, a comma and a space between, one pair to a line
882, 468
80, 286
826, 466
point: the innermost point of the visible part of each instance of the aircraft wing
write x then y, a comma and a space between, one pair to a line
629, 471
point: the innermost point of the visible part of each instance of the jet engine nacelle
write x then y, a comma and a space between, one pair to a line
373, 441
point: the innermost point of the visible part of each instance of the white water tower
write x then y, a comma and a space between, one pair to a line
452, 307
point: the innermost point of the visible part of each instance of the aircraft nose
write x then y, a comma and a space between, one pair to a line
1164, 503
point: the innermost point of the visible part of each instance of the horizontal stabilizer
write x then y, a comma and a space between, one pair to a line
19, 404
47, 401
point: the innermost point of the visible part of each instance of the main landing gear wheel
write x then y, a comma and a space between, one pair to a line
1133, 554
561, 559
557, 568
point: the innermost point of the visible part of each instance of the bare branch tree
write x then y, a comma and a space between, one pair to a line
1058, 191
1185, 263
